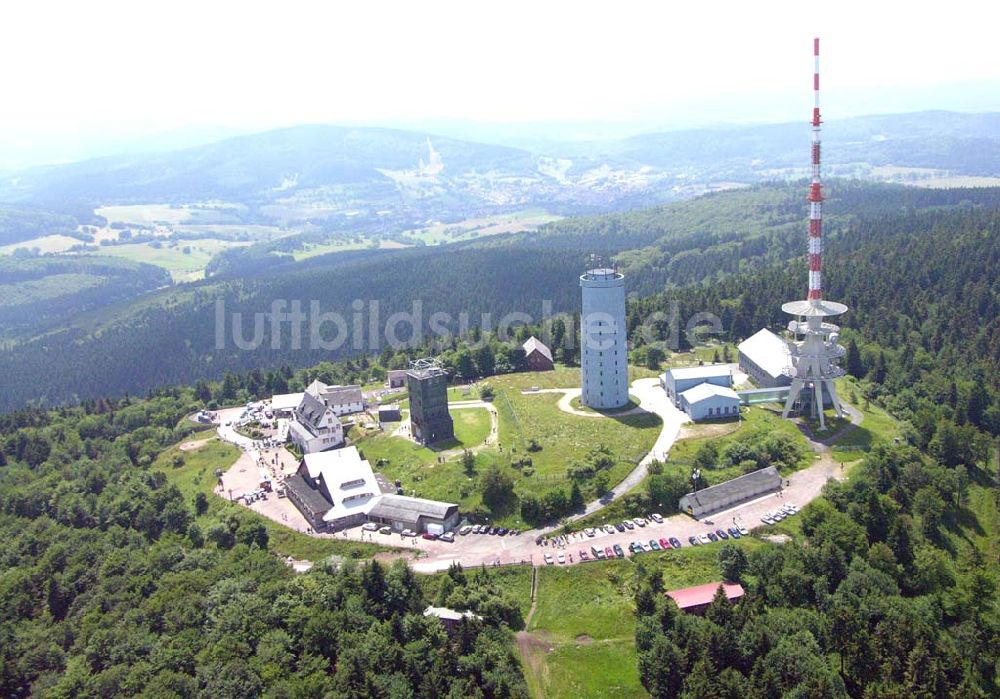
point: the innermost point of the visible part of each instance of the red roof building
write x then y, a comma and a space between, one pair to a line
695, 600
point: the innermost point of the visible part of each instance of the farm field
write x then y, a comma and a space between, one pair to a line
182, 266
45, 243
473, 228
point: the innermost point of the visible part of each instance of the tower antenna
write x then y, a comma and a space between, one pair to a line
816, 194
813, 348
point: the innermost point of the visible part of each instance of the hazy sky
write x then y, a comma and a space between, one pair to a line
79, 72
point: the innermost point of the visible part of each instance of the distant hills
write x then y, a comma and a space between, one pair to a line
316, 172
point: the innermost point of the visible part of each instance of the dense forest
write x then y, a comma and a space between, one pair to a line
923, 327
888, 596
746, 232
38, 294
109, 586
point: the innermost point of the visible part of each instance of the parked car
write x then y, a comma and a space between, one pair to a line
766, 518
429, 536
407, 532
675, 542
502, 531
548, 559
385, 530
589, 531
734, 532
619, 551
609, 529
584, 556
561, 557
628, 525
640, 521
693, 540
448, 536
634, 547
656, 518
620, 527
599, 554
609, 552
645, 546
654, 544
464, 530
369, 527
703, 539
664, 544
712, 537
721, 533
777, 515
743, 530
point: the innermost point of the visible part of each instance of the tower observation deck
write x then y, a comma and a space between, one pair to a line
603, 345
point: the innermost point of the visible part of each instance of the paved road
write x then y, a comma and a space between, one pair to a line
475, 550
652, 399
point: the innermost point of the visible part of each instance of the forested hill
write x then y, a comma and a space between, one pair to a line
924, 312
170, 337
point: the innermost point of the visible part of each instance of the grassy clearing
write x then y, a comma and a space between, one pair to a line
472, 426
521, 418
584, 622
197, 475
876, 426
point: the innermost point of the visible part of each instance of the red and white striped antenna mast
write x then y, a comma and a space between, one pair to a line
813, 350
816, 195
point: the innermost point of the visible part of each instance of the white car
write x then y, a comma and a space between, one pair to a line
548, 559
407, 532
609, 528
703, 539
656, 518
465, 530
640, 521
561, 558
370, 527
777, 515
766, 519
743, 530
589, 531
645, 546
447, 536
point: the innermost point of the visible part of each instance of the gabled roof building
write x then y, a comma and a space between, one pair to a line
537, 355
766, 359
314, 426
730, 493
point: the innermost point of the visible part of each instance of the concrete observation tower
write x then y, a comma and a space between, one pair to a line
814, 348
603, 346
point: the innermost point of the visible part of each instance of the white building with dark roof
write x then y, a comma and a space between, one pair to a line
765, 358
314, 426
334, 489
706, 401
676, 381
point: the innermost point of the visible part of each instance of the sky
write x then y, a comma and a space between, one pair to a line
81, 76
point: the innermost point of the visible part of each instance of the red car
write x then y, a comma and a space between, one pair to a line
584, 556
609, 552
429, 536
664, 544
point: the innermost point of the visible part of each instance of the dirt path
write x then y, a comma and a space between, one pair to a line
195, 444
